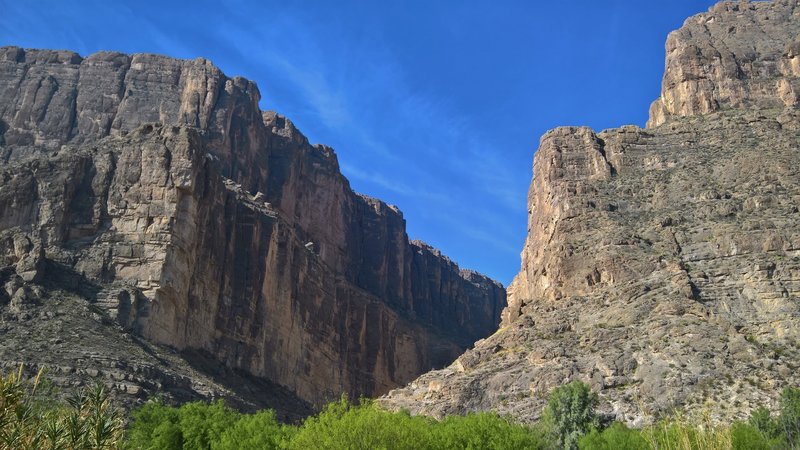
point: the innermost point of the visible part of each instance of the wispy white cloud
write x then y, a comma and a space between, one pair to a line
77, 30
330, 106
398, 187
485, 230
431, 156
402, 142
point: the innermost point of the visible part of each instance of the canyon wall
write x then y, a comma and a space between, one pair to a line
157, 189
662, 265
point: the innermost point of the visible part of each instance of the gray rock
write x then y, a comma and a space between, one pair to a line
661, 264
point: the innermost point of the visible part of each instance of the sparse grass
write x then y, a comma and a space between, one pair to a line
679, 434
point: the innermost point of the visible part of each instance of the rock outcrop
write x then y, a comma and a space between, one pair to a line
158, 190
662, 265
736, 56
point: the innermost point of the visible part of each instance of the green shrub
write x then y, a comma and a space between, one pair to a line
165, 436
154, 421
616, 437
745, 436
484, 431
570, 414
761, 420
789, 421
569, 422
259, 431
193, 426
341, 425
31, 421
344, 425
202, 423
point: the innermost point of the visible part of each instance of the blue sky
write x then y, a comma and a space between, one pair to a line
434, 106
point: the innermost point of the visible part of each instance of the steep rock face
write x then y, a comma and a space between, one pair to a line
157, 188
662, 265
737, 55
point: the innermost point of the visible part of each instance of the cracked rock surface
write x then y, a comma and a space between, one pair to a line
157, 191
662, 265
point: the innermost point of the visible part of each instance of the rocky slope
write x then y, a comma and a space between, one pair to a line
158, 191
662, 265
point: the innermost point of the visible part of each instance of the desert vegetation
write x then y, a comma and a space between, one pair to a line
31, 418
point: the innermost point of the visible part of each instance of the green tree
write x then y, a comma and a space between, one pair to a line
484, 431
570, 414
344, 425
203, 423
154, 421
259, 431
193, 426
166, 436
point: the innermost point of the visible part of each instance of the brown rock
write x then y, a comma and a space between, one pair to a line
158, 189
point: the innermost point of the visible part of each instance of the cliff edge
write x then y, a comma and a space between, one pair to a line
156, 190
662, 265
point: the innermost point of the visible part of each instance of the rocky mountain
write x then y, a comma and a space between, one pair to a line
662, 265
160, 232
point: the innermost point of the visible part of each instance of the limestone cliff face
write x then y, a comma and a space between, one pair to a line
159, 189
737, 55
662, 265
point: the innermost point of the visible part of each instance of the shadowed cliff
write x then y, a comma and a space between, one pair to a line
157, 190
